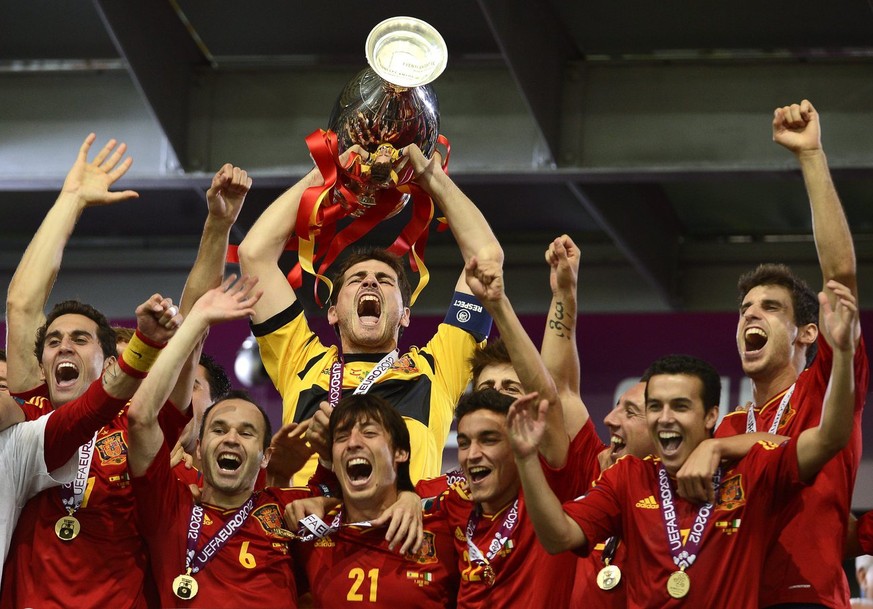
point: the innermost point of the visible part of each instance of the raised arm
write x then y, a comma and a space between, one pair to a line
224, 200
486, 283
797, 128
817, 445
527, 426
86, 185
259, 252
226, 302
468, 225
559, 350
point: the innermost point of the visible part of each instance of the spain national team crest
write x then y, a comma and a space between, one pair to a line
731, 495
112, 449
427, 554
787, 416
405, 364
269, 517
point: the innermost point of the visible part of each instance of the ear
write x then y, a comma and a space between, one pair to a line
108, 362
332, 317
197, 451
710, 418
404, 317
400, 456
807, 334
266, 458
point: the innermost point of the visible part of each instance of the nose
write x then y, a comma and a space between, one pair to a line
666, 414
611, 419
474, 452
66, 344
355, 438
370, 280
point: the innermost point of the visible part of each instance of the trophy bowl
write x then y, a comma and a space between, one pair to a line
390, 105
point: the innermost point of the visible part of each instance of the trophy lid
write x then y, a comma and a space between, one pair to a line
406, 51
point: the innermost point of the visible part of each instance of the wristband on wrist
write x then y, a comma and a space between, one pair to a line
139, 355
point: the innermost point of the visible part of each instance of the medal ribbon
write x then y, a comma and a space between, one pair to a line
683, 555
195, 561
335, 387
609, 549
73, 493
503, 534
318, 528
752, 424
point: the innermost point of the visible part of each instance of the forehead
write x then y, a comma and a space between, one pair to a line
670, 387
236, 412
769, 292
73, 322
360, 421
482, 421
498, 372
369, 266
634, 395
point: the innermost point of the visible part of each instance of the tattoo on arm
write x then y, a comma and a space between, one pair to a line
562, 330
110, 374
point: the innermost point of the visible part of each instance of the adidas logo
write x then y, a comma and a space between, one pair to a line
648, 503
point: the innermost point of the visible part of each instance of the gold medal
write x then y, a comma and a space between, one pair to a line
608, 577
488, 575
185, 587
67, 528
678, 584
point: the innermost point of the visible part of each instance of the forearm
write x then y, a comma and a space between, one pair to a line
818, 445
559, 350
155, 389
554, 529
30, 287
533, 375
265, 241
208, 269
468, 225
10, 411
736, 447
833, 239
76, 422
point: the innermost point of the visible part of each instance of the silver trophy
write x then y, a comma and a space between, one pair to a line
388, 106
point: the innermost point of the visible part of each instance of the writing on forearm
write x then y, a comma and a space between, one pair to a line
110, 374
558, 323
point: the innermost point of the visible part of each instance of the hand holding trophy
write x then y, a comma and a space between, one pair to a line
382, 110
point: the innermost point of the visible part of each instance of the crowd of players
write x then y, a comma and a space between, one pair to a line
135, 476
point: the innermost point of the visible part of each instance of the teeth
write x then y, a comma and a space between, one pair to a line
358, 461
756, 332
367, 297
67, 365
616, 441
669, 435
229, 457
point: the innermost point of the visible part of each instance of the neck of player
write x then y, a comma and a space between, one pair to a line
364, 510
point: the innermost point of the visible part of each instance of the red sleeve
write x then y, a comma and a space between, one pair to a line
157, 493
432, 487
76, 422
172, 422
35, 408
733, 424
40, 391
582, 466
598, 513
324, 482
865, 532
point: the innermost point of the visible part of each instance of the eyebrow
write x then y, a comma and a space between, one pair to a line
74, 334
378, 274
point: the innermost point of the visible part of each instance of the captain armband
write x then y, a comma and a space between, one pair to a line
139, 356
467, 313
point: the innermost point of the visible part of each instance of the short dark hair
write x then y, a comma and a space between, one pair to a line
689, 366
216, 377
122, 334
2, 355
366, 407
487, 399
239, 394
374, 253
804, 300
494, 353
105, 333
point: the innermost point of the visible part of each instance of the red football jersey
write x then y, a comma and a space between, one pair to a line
354, 567
254, 568
523, 570
729, 566
106, 564
587, 594
865, 532
818, 520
